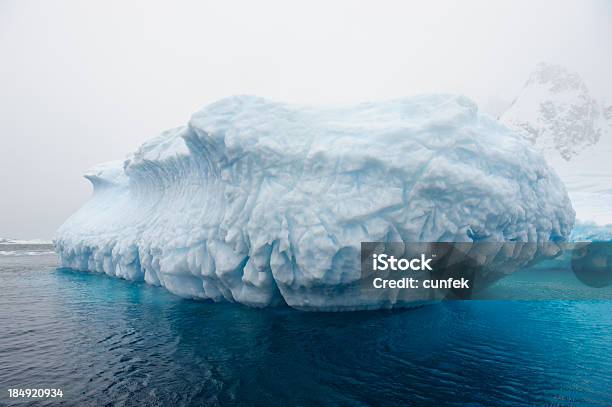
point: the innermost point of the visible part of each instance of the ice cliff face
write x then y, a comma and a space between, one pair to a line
263, 203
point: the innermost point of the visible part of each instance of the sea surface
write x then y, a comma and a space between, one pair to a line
106, 341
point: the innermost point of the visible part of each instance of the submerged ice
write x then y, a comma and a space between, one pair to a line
263, 203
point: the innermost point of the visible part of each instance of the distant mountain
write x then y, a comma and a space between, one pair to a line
558, 114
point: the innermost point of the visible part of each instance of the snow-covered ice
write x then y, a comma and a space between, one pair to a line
591, 232
6, 241
260, 202
26, 253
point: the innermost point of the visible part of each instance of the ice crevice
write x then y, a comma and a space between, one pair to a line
264, 203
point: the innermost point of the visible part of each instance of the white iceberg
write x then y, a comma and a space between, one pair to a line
591, 232
263, 203
6, 241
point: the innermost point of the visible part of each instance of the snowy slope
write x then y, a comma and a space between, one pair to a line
260, 202
557, 113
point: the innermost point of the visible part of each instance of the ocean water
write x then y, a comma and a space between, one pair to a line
105, 341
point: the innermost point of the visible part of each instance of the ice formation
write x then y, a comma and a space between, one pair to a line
591, 232
263, 203
5, 241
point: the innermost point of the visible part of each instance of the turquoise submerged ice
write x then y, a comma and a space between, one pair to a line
262, 203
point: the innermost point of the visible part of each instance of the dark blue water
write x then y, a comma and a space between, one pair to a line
105, 341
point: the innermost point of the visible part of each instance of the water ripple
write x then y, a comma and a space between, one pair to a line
106, 341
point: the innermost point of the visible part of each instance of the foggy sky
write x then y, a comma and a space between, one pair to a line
86, 82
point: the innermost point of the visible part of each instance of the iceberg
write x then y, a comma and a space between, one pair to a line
264, 203
591, 232
6, 241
